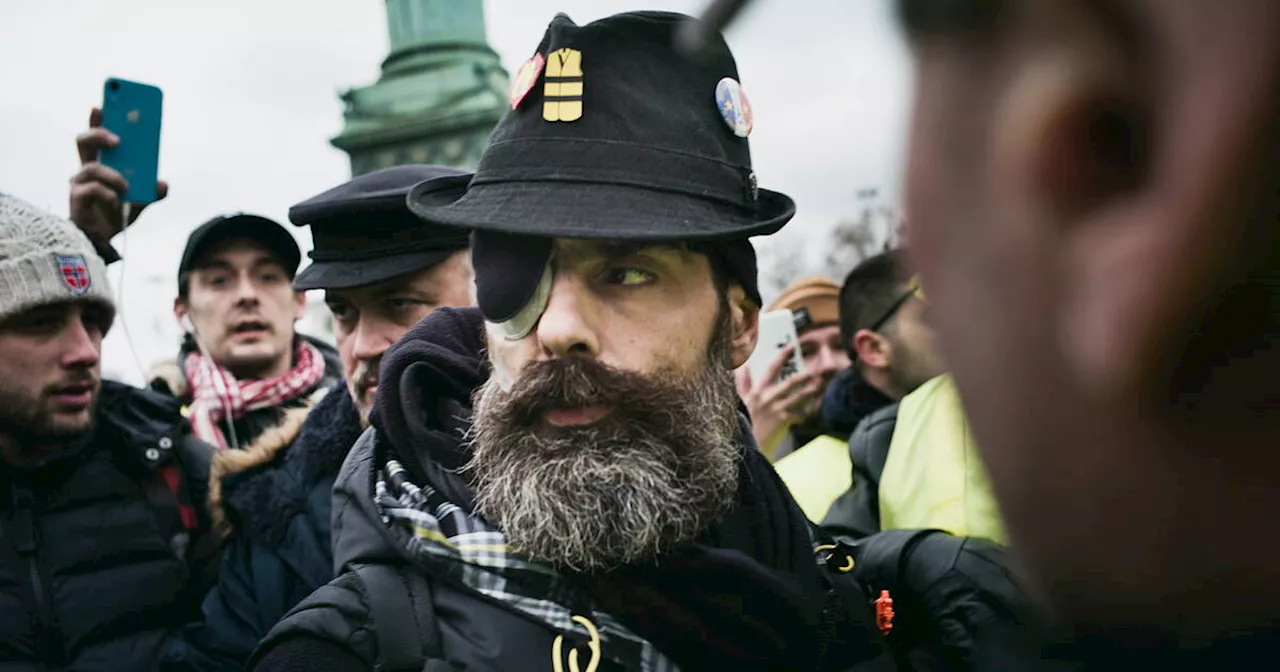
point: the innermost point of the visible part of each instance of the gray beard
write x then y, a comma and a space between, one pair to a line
651, 476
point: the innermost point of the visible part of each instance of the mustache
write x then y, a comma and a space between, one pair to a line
648, 477
576, 382
74, 382
366, 373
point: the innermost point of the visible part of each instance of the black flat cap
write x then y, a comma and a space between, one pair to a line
613, 134
272, 235
364, 233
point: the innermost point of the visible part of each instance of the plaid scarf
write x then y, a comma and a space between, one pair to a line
216, 394
464, 548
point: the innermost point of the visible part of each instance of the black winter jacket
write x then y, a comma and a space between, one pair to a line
748, 597
93, 546
856, 513
278, 504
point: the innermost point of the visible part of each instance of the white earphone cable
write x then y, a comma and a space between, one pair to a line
125, 210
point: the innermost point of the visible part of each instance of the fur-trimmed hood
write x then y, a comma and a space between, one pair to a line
259, 490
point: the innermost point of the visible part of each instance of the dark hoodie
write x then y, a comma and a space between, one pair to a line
748, 595
848, 399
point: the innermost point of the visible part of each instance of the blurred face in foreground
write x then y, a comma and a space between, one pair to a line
608, 433
1092, 193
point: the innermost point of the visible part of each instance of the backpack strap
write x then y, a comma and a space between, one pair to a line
404, 645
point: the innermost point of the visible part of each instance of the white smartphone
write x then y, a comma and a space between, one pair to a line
777, 331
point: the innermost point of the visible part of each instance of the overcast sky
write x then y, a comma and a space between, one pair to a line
251, 101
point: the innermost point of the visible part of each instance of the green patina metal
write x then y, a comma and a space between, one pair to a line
441, 91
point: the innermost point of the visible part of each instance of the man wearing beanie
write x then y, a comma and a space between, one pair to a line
382, 270
560, 479
785, 414
101, 484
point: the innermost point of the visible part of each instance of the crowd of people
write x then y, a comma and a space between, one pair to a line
1035, 439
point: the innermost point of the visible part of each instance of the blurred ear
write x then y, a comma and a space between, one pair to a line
873, 350
1073, 145
179, 309
744, 321
300, 302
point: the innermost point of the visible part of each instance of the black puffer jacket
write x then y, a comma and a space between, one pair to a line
94, 571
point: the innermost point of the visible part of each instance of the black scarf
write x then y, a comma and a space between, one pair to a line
749, 595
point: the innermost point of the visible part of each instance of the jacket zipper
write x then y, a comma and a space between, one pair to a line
49, 644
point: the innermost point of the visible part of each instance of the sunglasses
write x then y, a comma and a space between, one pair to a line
913, 290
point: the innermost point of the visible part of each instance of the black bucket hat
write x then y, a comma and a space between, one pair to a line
612, 135
639, 149
363, 233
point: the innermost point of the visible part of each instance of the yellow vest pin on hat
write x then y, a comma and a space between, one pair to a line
562, 97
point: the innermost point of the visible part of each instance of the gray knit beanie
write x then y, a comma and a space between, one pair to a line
45, 259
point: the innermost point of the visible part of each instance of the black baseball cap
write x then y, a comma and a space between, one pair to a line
363, 232
272, 235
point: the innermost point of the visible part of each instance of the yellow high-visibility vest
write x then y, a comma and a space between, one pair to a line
934, 476
817, 475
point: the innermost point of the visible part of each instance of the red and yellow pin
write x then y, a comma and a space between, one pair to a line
525, 79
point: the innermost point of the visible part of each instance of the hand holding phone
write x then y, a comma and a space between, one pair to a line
131, 111
777, 332
774, 384
98, 190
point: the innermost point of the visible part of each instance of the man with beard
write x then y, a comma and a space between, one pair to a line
882, 320
601, 504
100, 483
382, 270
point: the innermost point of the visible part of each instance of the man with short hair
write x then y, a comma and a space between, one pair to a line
882, 326
241, 367
562, 474
1093, 197
382, 270
785, 413
101, 484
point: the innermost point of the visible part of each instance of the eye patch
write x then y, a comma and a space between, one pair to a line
513, 279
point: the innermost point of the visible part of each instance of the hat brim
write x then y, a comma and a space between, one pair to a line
346, 274
591, 210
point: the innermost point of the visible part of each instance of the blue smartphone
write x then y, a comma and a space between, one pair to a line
132, 111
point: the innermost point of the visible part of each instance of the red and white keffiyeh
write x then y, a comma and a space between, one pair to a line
216, 394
